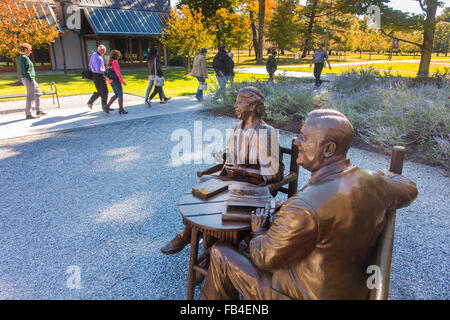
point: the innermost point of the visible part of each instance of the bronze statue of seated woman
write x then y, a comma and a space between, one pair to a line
251, 155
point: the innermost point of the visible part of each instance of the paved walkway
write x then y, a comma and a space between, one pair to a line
75, 114
299, 74
104, 200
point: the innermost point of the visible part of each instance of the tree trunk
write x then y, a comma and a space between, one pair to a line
254, 39
310, 28
428, 37
261, 17
188, 64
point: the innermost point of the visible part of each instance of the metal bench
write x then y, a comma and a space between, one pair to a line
53, 92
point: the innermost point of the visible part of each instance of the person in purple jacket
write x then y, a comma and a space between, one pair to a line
97, 66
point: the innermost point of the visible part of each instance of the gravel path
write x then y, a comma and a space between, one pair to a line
105, 200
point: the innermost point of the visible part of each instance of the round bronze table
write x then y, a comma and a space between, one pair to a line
205, 217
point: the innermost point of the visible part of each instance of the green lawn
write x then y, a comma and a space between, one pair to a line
180, 84
289, 58
177, 82
403, 69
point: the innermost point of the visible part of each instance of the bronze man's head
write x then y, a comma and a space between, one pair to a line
325, 137
249, 100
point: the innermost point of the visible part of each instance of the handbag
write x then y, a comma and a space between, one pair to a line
202, 86
159, 81
111, 74
86, 74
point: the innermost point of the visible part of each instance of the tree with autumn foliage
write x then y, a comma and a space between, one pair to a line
283, 28
185, 33
19, 23
208, 7
232, 29
260, 14
395, 21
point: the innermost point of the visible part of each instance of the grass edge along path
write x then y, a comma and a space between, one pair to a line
177, 83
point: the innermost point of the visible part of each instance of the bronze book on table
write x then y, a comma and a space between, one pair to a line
241, 202
207, 189
237, 213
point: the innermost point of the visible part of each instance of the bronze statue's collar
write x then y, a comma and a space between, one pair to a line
255, 124
333, 168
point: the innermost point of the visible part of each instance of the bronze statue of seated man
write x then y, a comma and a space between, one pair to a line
323, 238
252, 153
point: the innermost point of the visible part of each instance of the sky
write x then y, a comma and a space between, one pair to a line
412, 5
403, 5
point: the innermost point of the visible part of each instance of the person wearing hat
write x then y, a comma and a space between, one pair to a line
27, 75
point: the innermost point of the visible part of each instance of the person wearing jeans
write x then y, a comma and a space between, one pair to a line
117, 81
319, 57
223, 65
222, 81
200, 71
27, 75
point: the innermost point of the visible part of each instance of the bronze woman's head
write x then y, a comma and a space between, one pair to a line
251, 97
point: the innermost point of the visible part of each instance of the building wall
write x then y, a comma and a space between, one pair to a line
73, 52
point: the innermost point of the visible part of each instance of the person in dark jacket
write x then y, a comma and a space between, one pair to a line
222, 64
271, 65
154, 64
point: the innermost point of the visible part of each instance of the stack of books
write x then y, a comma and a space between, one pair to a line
243, 200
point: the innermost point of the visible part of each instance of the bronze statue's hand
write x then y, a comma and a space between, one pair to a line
385, 173
233, 170
260, 218
230, 170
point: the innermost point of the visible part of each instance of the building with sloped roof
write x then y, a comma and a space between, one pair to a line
130, 26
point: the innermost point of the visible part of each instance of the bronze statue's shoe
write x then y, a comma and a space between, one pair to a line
175, 245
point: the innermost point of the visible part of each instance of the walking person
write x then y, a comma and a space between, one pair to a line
271, 65
222, 64
200, 71
158, 84
319, 57
27, 75
97, 66
231, 55
116, 81
153, 65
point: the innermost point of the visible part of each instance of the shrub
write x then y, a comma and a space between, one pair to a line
284, 100
384, 111
396, 113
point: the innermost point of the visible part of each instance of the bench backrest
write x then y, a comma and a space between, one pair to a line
385, 244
